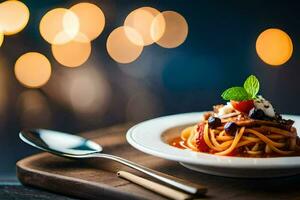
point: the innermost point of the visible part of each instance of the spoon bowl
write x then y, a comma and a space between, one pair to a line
59, 143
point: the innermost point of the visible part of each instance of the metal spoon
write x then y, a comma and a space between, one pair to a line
73, 146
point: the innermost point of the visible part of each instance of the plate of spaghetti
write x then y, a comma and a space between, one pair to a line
244, 137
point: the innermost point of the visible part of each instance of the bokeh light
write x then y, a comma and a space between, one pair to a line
171, 28
91, 19
120, 48
73, 53
59, 21
33, 70
141, 20
84, 96
1, 38
14, 16
84, 90
274, 46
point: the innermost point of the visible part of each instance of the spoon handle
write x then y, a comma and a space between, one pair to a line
177, 183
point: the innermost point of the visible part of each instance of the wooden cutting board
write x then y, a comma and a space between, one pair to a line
96, 179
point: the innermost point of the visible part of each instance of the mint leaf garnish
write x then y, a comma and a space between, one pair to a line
251, 85
248, 92
236, 94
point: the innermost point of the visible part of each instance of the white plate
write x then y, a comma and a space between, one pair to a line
147, 137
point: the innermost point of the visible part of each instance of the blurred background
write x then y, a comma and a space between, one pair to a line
219, 51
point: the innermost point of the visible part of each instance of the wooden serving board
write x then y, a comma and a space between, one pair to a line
96, 179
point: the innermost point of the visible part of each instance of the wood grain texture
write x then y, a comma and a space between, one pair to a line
96, 178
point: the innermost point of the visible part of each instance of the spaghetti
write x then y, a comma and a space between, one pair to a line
257, 141
246, 126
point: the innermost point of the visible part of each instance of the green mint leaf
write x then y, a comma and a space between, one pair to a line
236, 94
251, 85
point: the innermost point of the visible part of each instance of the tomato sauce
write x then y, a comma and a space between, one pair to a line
178, 142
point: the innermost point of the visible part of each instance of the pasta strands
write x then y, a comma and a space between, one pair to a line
252, 141
234, 143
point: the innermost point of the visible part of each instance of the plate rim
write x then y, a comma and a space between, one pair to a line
200, 159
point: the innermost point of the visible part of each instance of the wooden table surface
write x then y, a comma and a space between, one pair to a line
219, 187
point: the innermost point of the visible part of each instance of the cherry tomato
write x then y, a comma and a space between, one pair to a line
201, 145
243, 106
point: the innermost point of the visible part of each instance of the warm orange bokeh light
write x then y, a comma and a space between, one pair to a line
14, 16
59, 21
274, 46
33, 70
120, 48
91, 19
73, 53
84, 90
1, 38
173, 33
141, 20
88, 93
